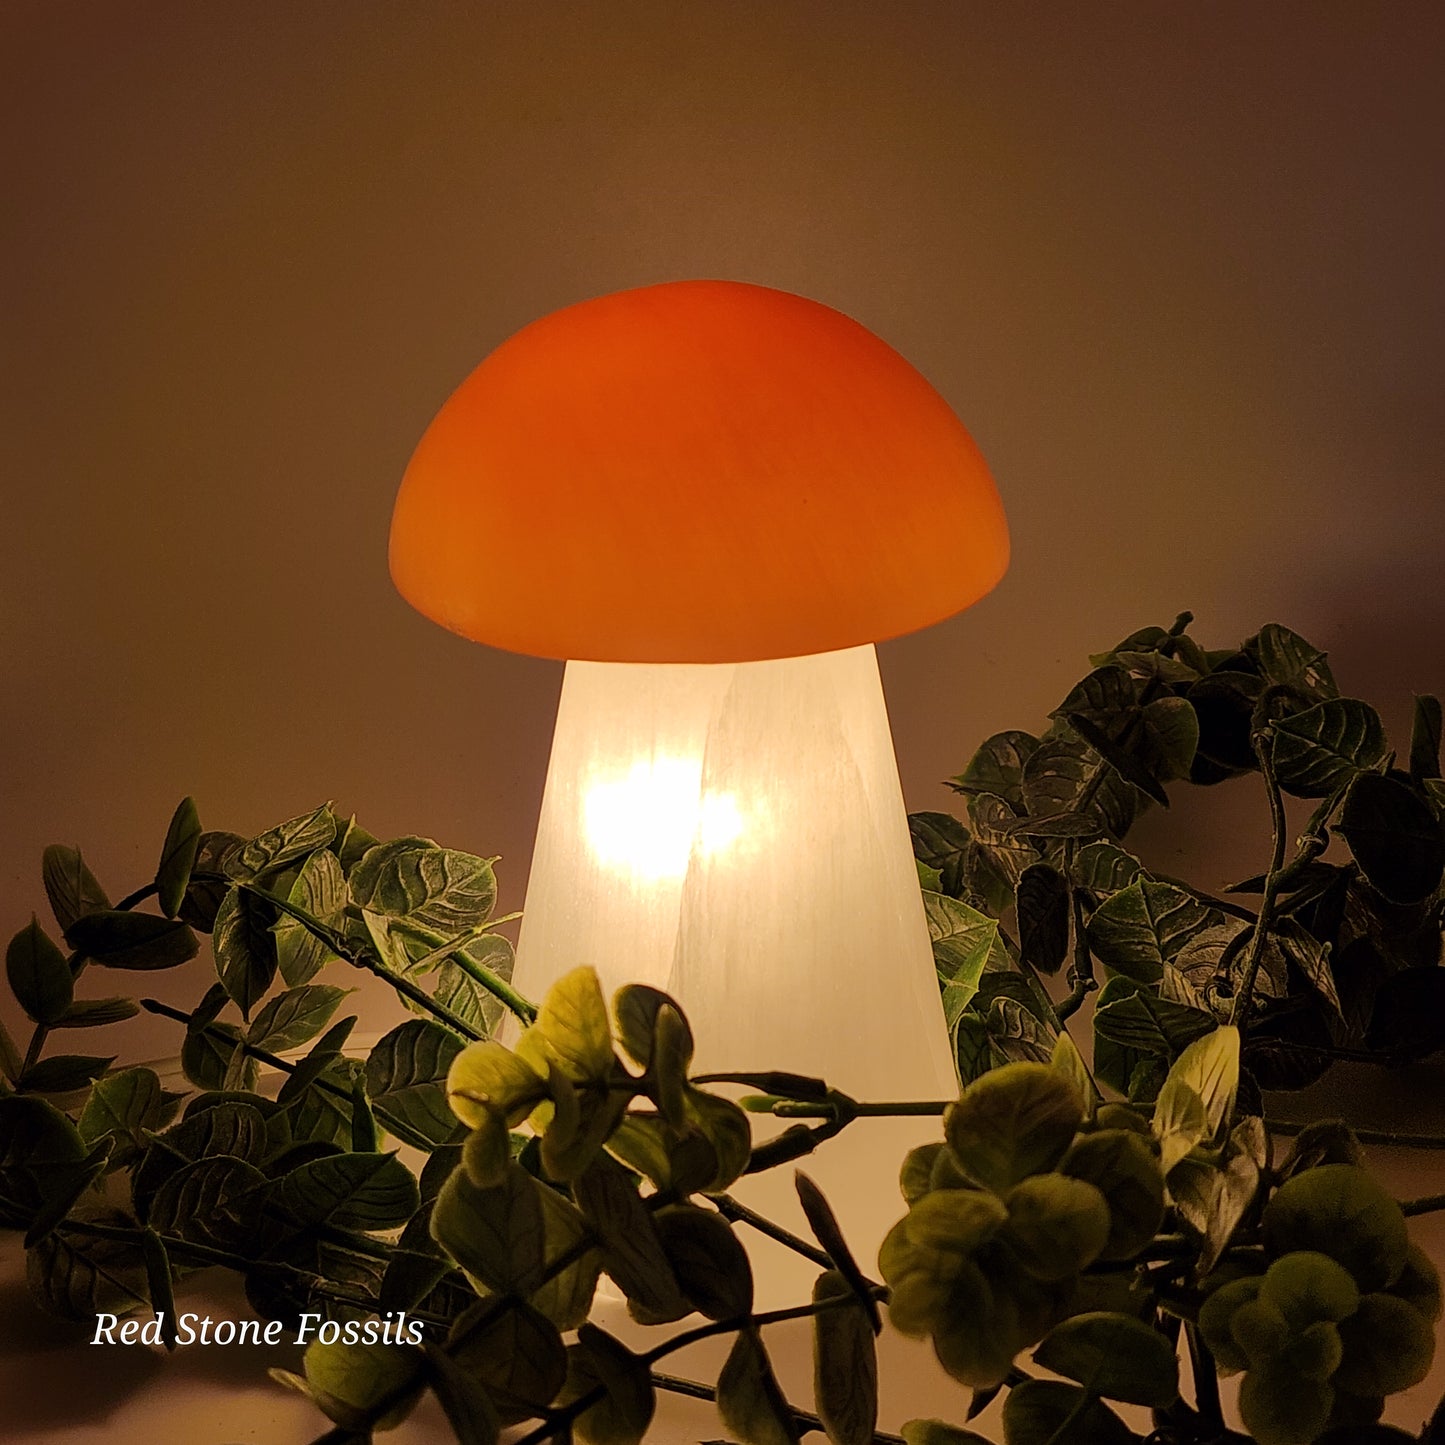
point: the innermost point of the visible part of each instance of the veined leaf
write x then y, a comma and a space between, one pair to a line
178, 857
320, 890
70, 886
406, 1076
413, 878
39, 975
1144, 926
272, 850
845, 1365
292, 1018
1318, 750
244, 948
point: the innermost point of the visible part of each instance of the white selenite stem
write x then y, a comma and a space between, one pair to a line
735, 834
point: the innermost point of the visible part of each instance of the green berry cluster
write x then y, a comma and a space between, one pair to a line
1341, 1317
1008, 1212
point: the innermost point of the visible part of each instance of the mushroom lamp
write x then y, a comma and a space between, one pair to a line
712, 499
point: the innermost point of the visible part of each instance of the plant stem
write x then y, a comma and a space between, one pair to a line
736, 1213
358, 958
1428, 1205
1206, 1381
1083, 969
1383, 1137
1263, 741
399, 1127
893, 1109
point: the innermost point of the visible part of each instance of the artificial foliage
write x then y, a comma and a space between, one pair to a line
445, 1206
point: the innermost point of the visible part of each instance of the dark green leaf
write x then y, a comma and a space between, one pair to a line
230, 1129
350, 1191
212, 1058
1318, 750
1141, 1021
941, 842
1060, 772
824, 1224
1103, 696
468, 1409
132, 940
1395, 837
244, 947
632, 1253
70, 886
1144, 926
516, 1354
64, 1073
1425, 739
495, 1234
709, 1263
361, 1386
997, 767
39, 975
1049, 1412
624, 1412
1105, 868
1042, 901
1114, 1356
965, 943
272, 850
1118, 757
406, 1076
1224, 705
213, 1202
92, 1013
77, 1277
178, 857
203, 896
123, 1106
845, 1364
1286, 659
292, 1018
748, 1397
159, 1285
1408, 1020
935, 1432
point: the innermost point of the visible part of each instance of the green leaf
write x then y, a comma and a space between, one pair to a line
350, 1191
1131, 769
203, 896
463, 1399
1286, 659
212, 1058
1105, 868
39, 975
77, 1278
710, 1265
1069, 1062
1344, 1212
319, 890
1320, 749
494, 1234
230, 1129
1395, 837
1388, 1347
1121, 1166
571, 1030
845, 1364
1049, 1412
412, 878
487, 1073
178, 857
725, 1127
1425, 739
941, 843
1042, 903
361, 1387
1015, 1121
749, 1400
632, 1251
624, 1412
64, 1073
43, 1162
1170, 737
1209, 1069
93, 1013
244, 948
70, 886
516, 1355
273, 850
406, 1077
998, 766
824, 1224
121, 939
1115, 1356
123, 1106
965, 943
292, 1018
935, 1432
1057, 1226
1312, 958
1144, 926
159, 1285
1136, 1019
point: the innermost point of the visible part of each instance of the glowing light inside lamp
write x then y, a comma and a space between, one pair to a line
649, 820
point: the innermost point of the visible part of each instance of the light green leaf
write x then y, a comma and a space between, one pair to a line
244, 948
632, 1252
1209, 1068
123, 1106
1015, 1121
412, 878
320, 890
489, 1073
965, 943
271, 851
292, 1018
361, 1387
1070, 1063
572, 1030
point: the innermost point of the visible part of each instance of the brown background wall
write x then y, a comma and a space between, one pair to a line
1179, 268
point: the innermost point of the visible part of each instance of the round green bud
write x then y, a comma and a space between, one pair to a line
1340, 1210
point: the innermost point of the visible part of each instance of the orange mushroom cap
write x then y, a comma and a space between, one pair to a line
701, 471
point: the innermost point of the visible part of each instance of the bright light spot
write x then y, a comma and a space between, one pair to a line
649, 820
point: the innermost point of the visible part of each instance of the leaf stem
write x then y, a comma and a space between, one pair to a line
1263, 741
1428, 1205
1383, 1137
737, 1213
1206, 1381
